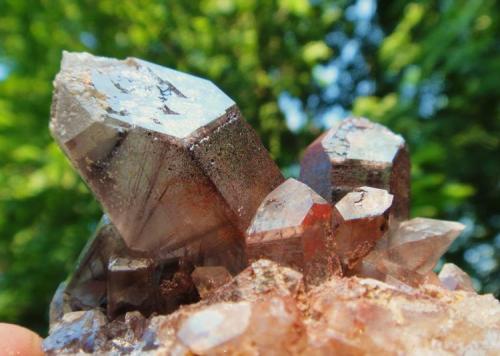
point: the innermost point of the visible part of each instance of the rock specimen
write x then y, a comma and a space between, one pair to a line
193, 199
360, 219
167, 154
293, 226
355, 153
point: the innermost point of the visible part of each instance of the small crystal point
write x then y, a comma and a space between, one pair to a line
360, 219
357, 152
453, 278
209, 278
419, 243
293, 227
167, 154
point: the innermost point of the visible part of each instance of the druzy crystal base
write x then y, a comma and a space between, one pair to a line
205, 249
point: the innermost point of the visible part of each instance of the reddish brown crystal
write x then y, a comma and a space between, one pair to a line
359, 220
355, 153
207, 279
293, 227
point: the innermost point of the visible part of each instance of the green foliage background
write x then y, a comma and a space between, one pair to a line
434, 74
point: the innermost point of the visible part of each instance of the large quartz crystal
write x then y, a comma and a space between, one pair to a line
354, 153
293, 226
206, 250
167, 154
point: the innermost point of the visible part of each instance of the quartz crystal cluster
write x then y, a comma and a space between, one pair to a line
205, 248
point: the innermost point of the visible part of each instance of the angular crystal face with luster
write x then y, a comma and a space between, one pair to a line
293, 226
167, 154
360, 219
357, 152
410, 251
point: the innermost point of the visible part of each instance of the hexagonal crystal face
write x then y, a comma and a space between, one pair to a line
360, 219
144, 94
355, 153
363, 140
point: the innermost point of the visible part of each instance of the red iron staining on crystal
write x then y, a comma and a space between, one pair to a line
293, 227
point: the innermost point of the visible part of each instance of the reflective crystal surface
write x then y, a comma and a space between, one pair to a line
86, 288
360, 219
419, 243
167, 154
357, 152
293, 227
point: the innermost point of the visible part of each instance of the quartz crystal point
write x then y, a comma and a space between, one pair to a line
453, 278
293, 227
207, 279
167, 154
419, 243
410, 251
86, 287
360, 219
354, 153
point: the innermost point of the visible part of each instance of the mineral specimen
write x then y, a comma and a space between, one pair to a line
293, 226
193, 199
360, 219
355, 153
167, 154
